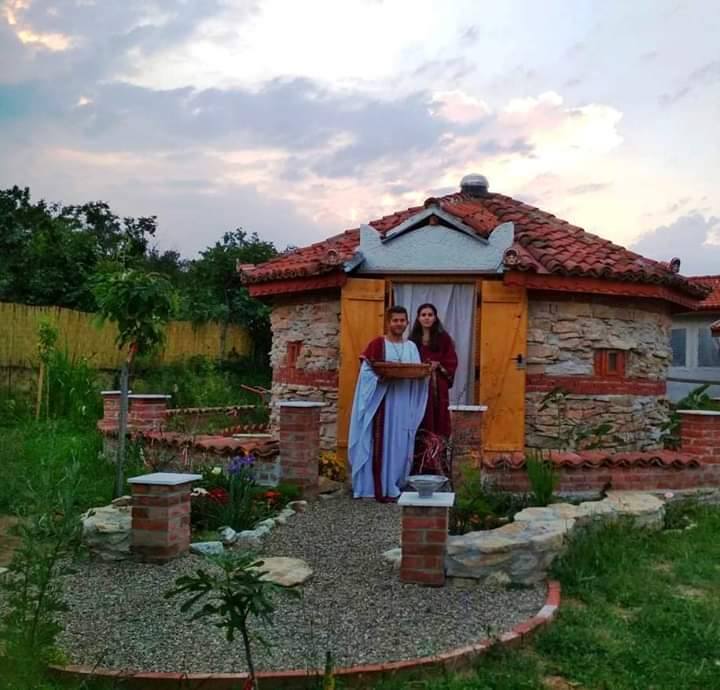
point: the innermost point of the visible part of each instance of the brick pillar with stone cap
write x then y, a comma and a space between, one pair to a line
424, 537
147, 411
700, 434
466, 438
111, 411
300, 444
161, 515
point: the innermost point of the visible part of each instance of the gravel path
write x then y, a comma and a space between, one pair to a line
354, 605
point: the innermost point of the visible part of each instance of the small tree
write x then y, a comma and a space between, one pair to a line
231, 597
140, 304
47, 337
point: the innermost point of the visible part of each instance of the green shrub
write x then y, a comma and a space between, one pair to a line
697, 399
73, 390
543, 478
202, 382
478, 505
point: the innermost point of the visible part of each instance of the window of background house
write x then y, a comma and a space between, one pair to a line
678, 343
708, 350
609, 363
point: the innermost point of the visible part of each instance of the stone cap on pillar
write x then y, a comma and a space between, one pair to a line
149, 396
112, 392
300, 403
444, 499
467, 408
704, 413
164, 478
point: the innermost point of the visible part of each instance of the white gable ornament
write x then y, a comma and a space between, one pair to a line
432, 241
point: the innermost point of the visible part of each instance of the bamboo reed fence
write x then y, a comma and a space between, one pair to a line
81, 335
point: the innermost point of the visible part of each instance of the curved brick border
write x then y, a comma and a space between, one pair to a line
455, 659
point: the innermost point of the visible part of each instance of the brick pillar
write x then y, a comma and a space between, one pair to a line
161, 515
111, 411
466, 438
700, 434
300, 444
424, 537
147, 411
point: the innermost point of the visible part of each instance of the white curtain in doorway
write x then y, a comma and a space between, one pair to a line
455, 304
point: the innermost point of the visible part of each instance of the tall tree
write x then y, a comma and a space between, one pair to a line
216, 293
140, 304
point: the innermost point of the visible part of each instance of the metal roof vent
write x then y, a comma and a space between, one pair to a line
474, 185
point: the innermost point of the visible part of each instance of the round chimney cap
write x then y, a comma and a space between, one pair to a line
474, 184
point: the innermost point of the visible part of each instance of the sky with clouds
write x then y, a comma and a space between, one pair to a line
300, 119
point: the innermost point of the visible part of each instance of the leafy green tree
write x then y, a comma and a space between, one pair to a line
140, 304
49, 252
214, 292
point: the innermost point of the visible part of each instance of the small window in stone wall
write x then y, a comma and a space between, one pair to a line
610, 363
708, 349
678, 344
293, 352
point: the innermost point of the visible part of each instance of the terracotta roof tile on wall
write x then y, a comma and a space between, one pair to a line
712, 301
321, 257
545, 244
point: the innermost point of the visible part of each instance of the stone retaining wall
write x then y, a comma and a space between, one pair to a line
305, 357
522, 551
564, 335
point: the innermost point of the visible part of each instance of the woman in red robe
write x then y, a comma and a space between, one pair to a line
437, 347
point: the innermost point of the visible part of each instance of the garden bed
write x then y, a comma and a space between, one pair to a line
354, 605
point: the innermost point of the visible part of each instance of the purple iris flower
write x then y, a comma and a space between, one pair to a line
239, 463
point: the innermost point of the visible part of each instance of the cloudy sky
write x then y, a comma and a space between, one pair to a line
300, 119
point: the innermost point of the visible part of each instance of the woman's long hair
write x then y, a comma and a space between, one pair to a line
416, 334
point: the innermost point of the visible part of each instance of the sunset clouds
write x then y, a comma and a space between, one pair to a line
301, 119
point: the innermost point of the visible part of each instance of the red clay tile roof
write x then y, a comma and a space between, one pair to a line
545, 244
317, 259
259, 446
712, 301
588, 459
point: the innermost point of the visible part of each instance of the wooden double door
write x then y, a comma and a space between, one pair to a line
500, 353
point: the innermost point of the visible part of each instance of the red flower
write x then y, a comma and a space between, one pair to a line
271, 496
218, 495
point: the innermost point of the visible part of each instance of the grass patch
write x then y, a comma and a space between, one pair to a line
625, 623
32, 452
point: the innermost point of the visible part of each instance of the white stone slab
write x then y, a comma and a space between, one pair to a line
150, 396
468, 408
251, 436
705, 413
443, 499
112, 392
164, 478
300, 403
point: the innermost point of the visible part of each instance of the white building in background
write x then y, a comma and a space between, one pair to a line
695, 351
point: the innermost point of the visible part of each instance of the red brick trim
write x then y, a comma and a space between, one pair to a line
597, 286
455, 659
279, 287
594, 385
637, 478
306, 377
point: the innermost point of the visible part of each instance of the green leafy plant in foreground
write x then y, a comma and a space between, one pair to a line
230, 597
31, 592
543, 478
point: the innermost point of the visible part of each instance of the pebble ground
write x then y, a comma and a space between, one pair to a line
354, 605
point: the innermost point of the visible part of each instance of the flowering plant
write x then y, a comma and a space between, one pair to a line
218, 495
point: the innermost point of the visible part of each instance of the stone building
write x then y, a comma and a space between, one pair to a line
557, 330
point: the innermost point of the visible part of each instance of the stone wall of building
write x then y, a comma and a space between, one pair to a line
564, 335
305, 357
